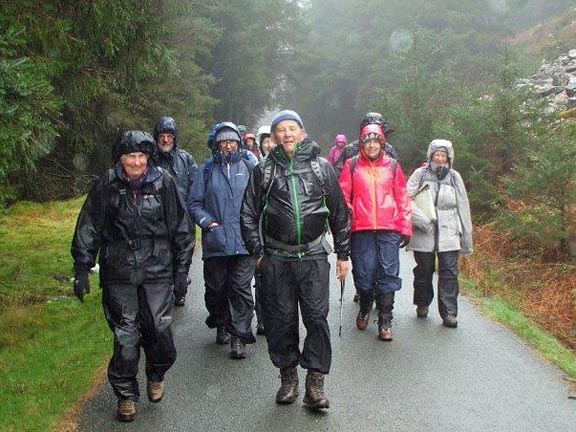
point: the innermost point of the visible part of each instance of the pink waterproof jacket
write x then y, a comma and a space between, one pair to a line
377, 195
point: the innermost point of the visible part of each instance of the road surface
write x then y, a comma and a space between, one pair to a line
478, 377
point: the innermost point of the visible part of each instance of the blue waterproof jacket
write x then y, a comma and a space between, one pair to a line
216, 196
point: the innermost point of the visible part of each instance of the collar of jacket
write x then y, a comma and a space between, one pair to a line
234, 157
306, 150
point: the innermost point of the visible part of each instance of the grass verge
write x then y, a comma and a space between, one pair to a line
52, 347
548, 346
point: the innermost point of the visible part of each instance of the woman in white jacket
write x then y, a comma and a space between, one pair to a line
442, 233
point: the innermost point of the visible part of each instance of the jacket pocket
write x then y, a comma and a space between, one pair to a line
215, 240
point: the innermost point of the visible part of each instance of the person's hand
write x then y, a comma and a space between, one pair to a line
180, 284
212, 225
404, 240
342, 269
81, 283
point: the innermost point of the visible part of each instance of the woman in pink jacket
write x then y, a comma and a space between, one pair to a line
334, 154
375, 190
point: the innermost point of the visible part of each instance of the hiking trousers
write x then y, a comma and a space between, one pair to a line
285, 286
228, 294
375, 268
448, 287
140, 316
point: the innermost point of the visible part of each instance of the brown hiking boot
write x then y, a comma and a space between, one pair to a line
362, 320
450, 321
126, 410
385, 334
155, 390
421, 311
314, 396
288, 391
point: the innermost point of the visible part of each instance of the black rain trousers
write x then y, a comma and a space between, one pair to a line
285, 285
448, 287
228, 294
139, 316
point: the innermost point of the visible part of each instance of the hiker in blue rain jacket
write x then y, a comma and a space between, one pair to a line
214, 205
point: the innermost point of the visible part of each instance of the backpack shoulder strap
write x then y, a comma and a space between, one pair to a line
315, 165
269, 171
353, 163
208, 170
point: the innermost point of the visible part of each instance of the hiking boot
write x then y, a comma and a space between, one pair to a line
237, 348
155, 390
126, 410
421, 311
222, 336
260, 329
362, 320
355, 298
288, 391
314, 396
179, 301
385, 334
450, 321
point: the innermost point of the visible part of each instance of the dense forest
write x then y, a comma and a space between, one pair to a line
74, 74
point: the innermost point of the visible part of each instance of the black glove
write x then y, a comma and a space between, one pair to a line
180, 284
81, 283
404, 240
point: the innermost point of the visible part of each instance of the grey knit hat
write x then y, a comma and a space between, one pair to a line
227, 134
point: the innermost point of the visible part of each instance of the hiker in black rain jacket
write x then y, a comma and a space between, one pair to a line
214, 205
297, 195
135, 222
179, 163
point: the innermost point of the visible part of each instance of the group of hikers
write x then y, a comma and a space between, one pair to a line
265, 205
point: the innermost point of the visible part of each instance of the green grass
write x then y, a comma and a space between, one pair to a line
52, 347
508, 314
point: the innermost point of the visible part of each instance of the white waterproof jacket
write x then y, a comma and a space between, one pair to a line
453, 229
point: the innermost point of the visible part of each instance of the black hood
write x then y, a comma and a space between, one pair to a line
133, 141
167, 125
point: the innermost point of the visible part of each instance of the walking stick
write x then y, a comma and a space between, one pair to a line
342, 285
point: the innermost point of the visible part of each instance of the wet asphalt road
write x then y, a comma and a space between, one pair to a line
479, 377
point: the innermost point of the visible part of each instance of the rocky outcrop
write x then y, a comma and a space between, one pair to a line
555, 81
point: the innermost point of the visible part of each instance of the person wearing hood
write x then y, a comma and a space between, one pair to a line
250, 141
178, 162
215, 204
135, 222
353, 148
292, 197
439, 236
334, 154
375, 190
264, 141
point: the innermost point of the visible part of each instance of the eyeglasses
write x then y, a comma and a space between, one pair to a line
228, 143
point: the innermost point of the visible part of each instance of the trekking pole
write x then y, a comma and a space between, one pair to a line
342, 285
